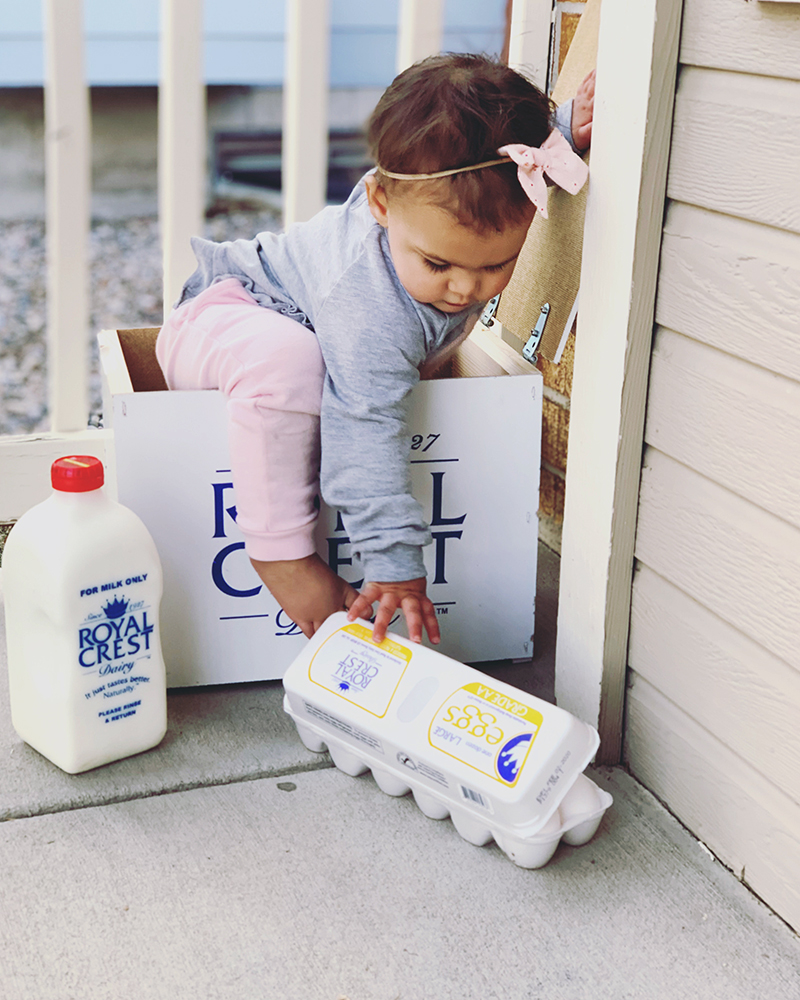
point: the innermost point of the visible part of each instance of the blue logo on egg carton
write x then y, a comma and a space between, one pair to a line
354, 674
512, 757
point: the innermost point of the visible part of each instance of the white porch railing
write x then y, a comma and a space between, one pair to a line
181, 140
68, 180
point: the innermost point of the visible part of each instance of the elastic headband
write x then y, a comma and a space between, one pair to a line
443, 173
554, 157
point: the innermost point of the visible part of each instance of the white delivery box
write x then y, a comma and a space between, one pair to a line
474, 449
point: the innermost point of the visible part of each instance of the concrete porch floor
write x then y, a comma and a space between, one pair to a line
230, 862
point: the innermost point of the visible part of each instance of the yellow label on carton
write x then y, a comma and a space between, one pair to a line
352, 666
504, 702
487, 730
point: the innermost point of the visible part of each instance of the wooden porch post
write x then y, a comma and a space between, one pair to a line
304, 164
181, 140
637, 59
419, 32
67, 182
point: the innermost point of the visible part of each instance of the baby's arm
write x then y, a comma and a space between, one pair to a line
583, 113
373, 341
307, 590
409, 596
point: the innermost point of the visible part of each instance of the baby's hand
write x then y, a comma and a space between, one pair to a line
409, 596
307, 589
583, 113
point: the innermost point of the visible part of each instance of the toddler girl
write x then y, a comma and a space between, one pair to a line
317, 336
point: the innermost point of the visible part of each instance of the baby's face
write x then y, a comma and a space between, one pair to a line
441, 262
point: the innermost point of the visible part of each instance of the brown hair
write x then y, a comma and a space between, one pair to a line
455, 110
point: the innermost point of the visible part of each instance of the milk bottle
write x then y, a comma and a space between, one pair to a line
82, 585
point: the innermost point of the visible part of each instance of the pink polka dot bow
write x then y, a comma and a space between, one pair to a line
554, 158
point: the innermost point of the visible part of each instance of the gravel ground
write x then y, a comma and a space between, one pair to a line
125, 268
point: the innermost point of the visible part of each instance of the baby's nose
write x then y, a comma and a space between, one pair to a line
464, 284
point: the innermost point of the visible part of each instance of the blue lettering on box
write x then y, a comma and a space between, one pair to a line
338, 554
218, 565
437, 517
218, 574
220, 510
440, 540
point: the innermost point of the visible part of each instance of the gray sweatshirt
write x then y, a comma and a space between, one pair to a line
335, 275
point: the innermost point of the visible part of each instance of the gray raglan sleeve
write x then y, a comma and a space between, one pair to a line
371, 352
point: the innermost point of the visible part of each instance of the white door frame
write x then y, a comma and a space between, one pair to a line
636, 71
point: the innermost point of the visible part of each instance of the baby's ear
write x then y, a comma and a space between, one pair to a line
377, 200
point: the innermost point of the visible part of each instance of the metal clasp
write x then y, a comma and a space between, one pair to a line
489, 310
529, 350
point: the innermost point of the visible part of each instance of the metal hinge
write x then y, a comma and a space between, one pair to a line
529, 350
489, 310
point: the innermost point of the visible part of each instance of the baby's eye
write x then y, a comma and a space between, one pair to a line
433, 266
494, 268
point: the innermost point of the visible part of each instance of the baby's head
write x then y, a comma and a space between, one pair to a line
452, 111
454, 240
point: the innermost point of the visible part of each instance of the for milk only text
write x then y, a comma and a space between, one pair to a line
230, 570
114, 646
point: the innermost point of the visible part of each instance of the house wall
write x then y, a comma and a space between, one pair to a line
713, 706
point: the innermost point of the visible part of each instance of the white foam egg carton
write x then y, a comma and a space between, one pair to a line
503, 765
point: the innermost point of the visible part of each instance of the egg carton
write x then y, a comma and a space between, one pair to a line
503, 765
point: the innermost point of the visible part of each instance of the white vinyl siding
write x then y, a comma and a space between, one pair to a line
713, 706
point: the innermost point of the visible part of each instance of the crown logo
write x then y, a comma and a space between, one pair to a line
116, 608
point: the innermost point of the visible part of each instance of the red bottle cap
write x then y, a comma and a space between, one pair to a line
77, 474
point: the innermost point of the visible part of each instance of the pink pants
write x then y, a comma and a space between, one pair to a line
271, 369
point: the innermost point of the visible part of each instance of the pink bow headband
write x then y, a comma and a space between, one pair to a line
554, 158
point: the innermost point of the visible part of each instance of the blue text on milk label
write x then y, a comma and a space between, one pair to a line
114, 649
487, 730
359, 670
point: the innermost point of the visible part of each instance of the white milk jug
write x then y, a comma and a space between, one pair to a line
82, 585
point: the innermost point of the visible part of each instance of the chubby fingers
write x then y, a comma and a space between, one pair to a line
582, 137
307, 628
362, 608
361, 605
389, 602
350, 596
420, 613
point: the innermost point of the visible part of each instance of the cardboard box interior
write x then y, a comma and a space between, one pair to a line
130, 365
